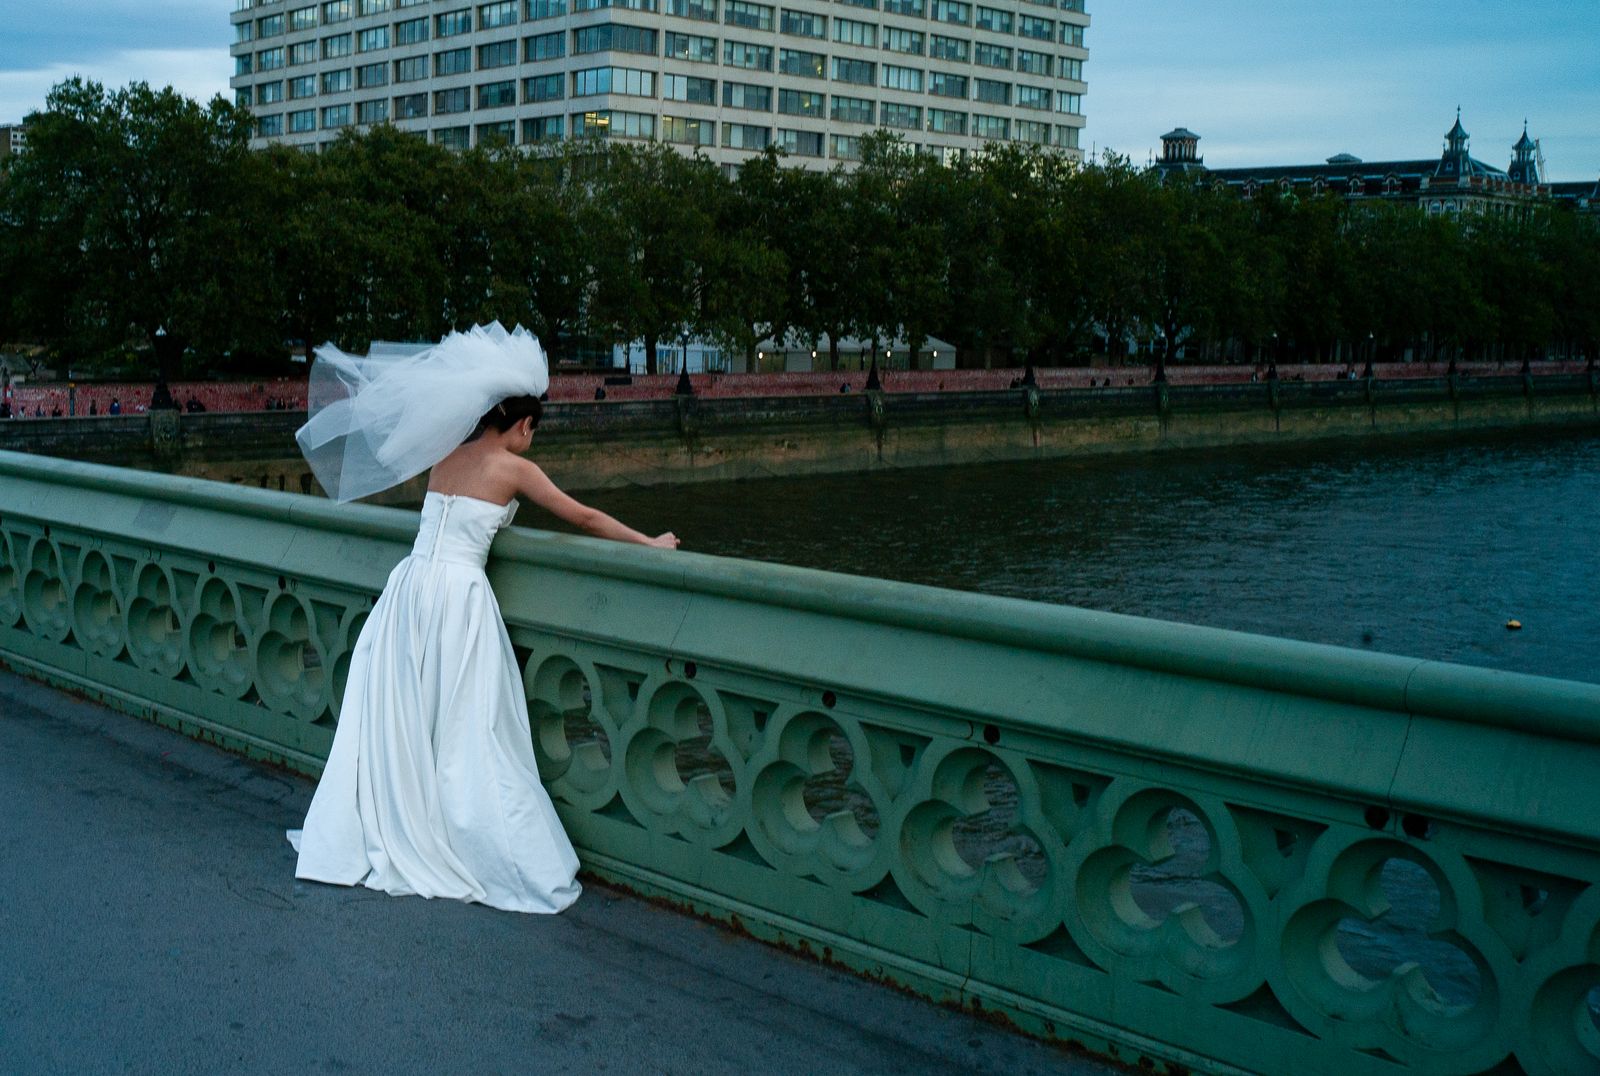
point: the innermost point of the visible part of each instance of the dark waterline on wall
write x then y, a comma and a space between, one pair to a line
1423, 547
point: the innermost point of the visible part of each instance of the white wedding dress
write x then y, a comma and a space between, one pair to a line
431, 786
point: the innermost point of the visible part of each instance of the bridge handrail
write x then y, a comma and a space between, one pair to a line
697, 768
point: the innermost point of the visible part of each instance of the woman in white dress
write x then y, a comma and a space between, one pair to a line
431, 786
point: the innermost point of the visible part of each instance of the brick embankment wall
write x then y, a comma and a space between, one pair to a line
30, 399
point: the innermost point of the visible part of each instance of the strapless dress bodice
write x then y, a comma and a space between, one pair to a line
458, 529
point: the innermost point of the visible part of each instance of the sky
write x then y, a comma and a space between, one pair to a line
1264, 82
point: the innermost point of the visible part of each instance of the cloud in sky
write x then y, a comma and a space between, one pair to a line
199, 73
1293, 81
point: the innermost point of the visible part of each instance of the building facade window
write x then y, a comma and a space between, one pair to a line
896, 39
411, 31
626, 5
337, 81
748, 15
1071, 34
687, 131
613, 124
991, 92
990, 128
244, 96
302, 52
691, 48
498, 133
913, 8
244, 33
1036, 28
902, 117
374, 39
302, 87
859, 72
902, 78
952, 11
993, 20
614, 37
500, 13
450, 102
851, 32
411, 69
269, 26
695, 90
369, 76
497, 94
335, 116
1072, 68
302, 120
371, 7
801, 103
986, 54
844, 147
1035, 63
1035, 97
627, 81
497, 54
944, 84
949, 48
543, 129
269, 126
451, 23
749, 56
800, 143
1066, 137
944, 121
452, 62
544, 9
410, 107
337, 46
802, 64
1031, 131
370, 112
1069, 102
804, 24
269, 60
701, 10
453, 137
745, 136
744, 95
544, 88
242, 65
304, 18
851, 109
269, 93
551, 46
336, 11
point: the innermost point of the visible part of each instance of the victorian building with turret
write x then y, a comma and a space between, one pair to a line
1452, 184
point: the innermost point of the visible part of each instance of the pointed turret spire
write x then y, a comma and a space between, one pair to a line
1524, 159
1455, 161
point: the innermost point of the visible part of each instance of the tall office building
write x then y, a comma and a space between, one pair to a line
723, 76
13, 139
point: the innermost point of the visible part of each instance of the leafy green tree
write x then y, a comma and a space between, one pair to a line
132, 206
746, 295
651, 230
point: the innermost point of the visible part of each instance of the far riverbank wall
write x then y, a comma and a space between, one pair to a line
659, 441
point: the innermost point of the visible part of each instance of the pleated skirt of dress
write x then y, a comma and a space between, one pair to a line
431, 787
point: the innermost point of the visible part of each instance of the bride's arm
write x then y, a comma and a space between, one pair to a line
536, 486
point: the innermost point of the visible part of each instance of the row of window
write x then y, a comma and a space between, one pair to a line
632, 82
734, 12
692, 48
615, 123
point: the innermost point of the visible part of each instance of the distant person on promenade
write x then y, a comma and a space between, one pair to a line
94, 408
432, 785
116, 406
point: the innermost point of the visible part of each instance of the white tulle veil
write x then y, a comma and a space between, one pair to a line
376, 420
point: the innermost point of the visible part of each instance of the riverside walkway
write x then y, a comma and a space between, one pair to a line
150, 922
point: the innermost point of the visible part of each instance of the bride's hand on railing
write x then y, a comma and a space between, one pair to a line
664, 541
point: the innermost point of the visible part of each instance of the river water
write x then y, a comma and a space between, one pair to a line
1422, 547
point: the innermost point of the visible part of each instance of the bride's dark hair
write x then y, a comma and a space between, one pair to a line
506, 414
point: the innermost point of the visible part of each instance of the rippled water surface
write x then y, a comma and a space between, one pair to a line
1424, 548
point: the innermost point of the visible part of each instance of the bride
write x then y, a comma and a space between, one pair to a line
431, 786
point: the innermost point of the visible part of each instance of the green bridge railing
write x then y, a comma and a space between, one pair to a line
1160, 841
